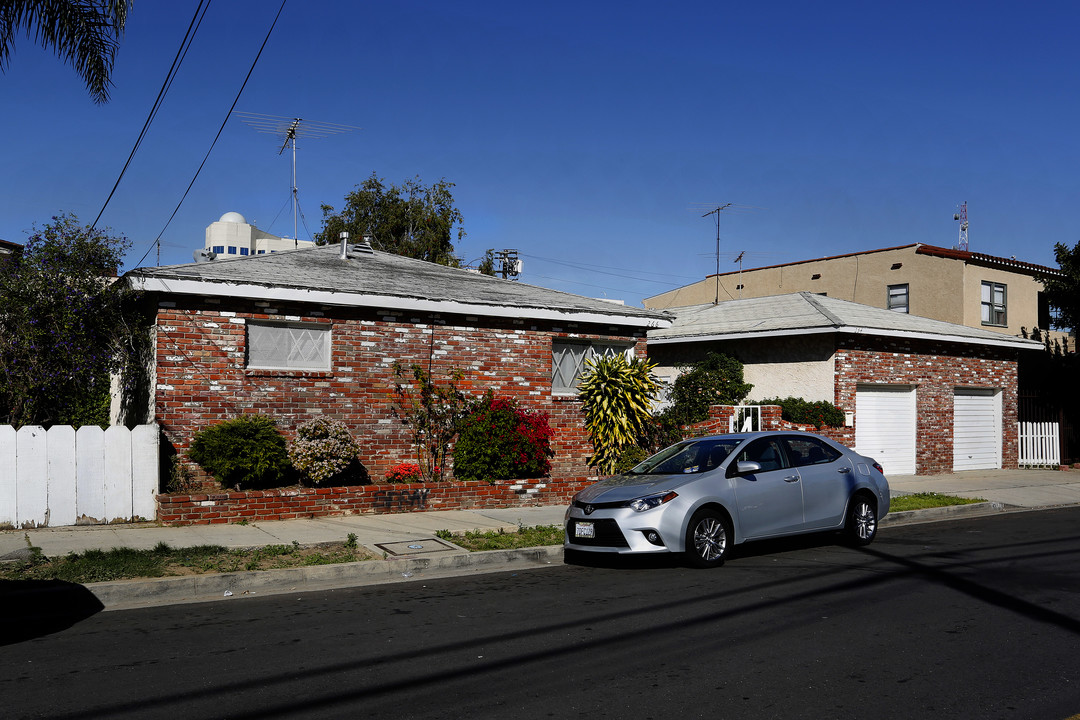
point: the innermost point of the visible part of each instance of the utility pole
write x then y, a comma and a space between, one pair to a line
719, 209
509, 266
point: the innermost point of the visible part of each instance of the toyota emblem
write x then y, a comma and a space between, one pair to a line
589, 509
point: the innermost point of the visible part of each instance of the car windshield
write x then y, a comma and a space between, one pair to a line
692, 456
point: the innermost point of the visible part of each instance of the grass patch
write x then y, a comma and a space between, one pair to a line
922, 501
523, 537
165, 561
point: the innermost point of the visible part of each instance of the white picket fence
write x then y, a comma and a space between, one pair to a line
1040, 444
62, 476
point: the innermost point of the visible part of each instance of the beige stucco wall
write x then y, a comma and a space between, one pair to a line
794, 367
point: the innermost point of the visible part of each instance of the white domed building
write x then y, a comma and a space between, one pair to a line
232, 235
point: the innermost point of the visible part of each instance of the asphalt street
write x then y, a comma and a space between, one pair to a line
969, 618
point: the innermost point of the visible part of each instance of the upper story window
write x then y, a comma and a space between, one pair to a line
993, 304
568, 358
288, 346
219, 249
898, 298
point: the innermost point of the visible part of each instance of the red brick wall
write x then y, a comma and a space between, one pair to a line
935, 369
202, 379
290, 503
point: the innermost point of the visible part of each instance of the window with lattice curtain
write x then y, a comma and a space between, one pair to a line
291, 346
568, 360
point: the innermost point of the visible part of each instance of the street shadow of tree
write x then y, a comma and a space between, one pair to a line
35, 608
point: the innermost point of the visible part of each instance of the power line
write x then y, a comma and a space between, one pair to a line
181, 53
220, 130
594, 268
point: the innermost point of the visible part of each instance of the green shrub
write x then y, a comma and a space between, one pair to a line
616, 395
325, 453
630, 456
246, 451
819, 413
716, 380
498, 440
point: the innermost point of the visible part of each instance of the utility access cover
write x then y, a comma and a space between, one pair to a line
415, 547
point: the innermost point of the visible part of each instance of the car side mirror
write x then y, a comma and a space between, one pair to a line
746, 467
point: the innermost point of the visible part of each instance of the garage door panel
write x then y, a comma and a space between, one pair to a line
976, 429
885, 426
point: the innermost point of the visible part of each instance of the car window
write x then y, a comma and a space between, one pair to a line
687, 457
765, 452
803, 451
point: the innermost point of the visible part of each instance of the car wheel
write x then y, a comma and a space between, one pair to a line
708, 539
861, 526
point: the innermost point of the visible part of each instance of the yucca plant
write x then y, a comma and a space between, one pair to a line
616, 394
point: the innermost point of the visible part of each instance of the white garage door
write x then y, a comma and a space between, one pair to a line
976, 429
885, 426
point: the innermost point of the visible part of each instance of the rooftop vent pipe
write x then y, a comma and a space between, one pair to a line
344, 235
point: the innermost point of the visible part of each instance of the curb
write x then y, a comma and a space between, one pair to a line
128, 594
949, 512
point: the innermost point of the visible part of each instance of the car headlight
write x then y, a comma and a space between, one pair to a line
648, 503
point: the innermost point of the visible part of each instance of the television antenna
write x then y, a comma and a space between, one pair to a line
288, 130
962, 217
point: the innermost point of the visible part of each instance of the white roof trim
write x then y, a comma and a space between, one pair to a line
1018, 343
391, 302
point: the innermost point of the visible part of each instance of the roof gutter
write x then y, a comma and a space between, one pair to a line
391, 302
1014, 343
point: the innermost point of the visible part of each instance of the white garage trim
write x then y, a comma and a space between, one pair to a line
976, 429
885, 426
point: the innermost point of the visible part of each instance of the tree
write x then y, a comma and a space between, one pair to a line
62, 325
411, 220
84, 33
1063, 291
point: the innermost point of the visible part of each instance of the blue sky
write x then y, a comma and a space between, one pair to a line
590, 136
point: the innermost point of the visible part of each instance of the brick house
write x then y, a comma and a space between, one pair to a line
317, 332
922, 396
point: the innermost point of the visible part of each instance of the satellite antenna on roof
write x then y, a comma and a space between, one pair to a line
288, 130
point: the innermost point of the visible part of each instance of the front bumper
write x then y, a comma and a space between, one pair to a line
619, 530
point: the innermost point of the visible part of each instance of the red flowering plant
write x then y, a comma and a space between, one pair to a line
404, 473
498, 440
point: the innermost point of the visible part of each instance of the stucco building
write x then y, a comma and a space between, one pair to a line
1001, 295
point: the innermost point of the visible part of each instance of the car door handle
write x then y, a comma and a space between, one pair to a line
791, 478
843, 470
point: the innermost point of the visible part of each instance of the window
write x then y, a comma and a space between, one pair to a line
898, 298
232, 249
764, 451
219, 249
805, 451
243, 251
568, 361
291, 346
993, 304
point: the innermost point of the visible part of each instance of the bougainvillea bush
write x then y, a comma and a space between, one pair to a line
325, 453
498, 440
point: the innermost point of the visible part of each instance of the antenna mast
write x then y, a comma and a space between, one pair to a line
716, 211
962, 217
289, 129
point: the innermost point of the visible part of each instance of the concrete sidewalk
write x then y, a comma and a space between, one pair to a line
411, 549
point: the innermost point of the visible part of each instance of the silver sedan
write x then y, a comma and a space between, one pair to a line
704, 495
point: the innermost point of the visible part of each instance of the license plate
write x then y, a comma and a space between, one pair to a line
584, 530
